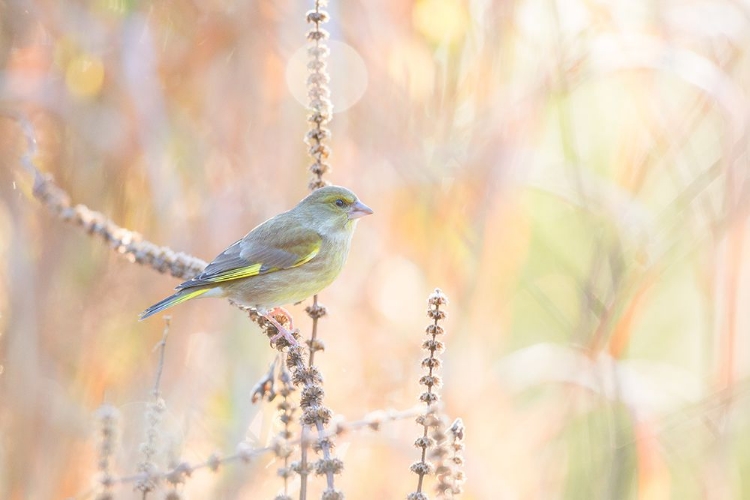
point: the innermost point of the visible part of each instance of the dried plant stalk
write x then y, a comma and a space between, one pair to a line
450, 461
125, 242
181, 472
283, 447
154, 414
432, 419
108, 417
282, 443
319, 105
447, 454
130, 244
313, 411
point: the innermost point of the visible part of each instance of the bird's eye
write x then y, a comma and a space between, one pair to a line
340, 203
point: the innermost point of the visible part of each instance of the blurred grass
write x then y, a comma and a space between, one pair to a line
572, 174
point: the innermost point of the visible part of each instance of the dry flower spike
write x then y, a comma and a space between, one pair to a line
434, 438
320, 107
108, 417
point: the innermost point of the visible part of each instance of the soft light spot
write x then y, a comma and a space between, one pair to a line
399, 288
345, 67
65, 51
117, 7
84, 76
440, 21
411, 66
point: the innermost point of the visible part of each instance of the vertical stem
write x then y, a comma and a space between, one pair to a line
431, 396
314, 334
320, 114
162, 346
303, 465
315, 312
318, 92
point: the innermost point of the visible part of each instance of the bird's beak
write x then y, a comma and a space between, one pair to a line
358, 210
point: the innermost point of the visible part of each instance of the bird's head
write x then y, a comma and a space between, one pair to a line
335, 206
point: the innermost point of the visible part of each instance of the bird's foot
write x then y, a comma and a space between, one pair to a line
283, 332
283, 312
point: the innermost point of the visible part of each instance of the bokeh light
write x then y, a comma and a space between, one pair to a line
84, 75
346, 68
441, 21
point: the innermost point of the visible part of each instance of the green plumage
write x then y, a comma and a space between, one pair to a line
284, 260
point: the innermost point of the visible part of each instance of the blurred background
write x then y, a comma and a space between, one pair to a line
572, 174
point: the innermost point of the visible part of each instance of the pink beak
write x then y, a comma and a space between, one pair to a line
358, 210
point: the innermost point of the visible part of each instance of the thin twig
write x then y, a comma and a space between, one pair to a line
162, 346
288, 408
108, 417
154, 414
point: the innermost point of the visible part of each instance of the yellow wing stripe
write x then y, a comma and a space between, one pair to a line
242, 272
309, 256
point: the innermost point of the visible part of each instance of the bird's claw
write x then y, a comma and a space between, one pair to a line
287, 335
282, 332
283, 312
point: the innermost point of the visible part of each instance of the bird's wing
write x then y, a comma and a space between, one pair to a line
260, 252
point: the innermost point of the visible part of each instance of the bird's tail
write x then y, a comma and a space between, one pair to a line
177, 298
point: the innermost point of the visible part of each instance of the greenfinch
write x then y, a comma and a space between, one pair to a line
284, 260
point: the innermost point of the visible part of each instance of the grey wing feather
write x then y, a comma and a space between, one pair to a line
226, 261
257, 248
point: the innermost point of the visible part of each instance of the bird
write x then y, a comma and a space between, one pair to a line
284, 260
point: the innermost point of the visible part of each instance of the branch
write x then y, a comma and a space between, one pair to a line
125, 242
